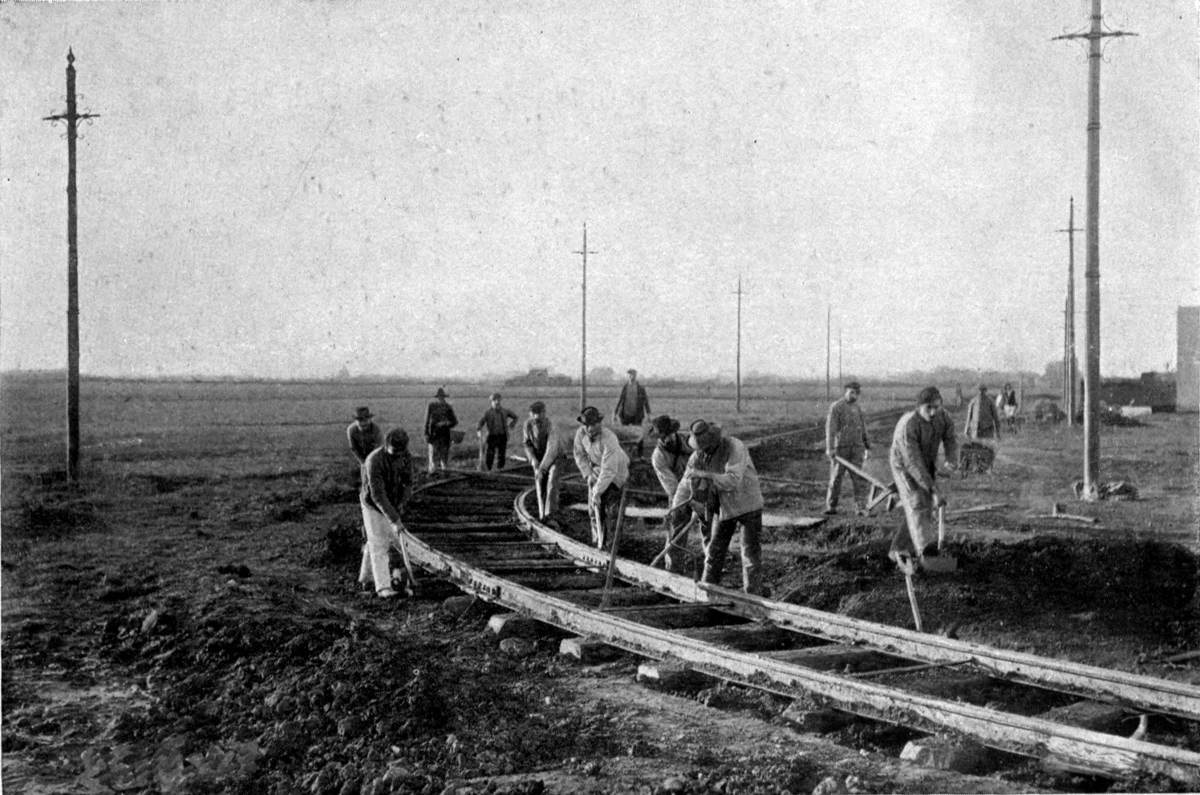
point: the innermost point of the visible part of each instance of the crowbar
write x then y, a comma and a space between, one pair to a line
612, 553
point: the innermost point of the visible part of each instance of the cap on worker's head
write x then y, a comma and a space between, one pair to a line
631, 371
441, 392
704, 435
590, 416
495, 396
854, 385
928, 395
397, 438
363, 413
1007, 385
537, 407
981, 387
664, 425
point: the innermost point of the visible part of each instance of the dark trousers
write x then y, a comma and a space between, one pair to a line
718, 546
497, 445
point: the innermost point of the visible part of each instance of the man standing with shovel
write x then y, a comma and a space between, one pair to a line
386, 487
915, 443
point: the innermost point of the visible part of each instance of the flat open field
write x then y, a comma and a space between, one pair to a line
187, 620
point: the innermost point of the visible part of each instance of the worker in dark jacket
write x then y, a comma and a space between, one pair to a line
669, 459
914, 455
498, 421
439, 419
386, 488
983, 418
633, 408
846, 438
363, 434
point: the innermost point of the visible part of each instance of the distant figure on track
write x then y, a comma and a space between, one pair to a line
633, 407
604, 467
439, 419
543, 451
915, 443
846, 437
386, 488
720, 479
669, 459
363, 435
498, 421
983, 418
1008, 404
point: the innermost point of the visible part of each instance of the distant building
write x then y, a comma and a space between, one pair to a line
1187, 359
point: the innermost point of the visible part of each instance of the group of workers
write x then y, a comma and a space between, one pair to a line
708, 476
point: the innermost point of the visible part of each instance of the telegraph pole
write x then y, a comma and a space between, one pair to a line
1070, 366
583, 333
739, 295
72, 118
828, 343
840, 378
1091, 381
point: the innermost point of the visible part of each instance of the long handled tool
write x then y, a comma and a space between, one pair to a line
398, 541
680, 534
612, 553
912, 599
482, 445
941, 562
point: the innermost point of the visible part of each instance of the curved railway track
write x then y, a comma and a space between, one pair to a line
477, 531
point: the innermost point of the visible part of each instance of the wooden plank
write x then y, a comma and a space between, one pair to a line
528, 564
834, 657
617, 597
461, 527
581, 579
499, 550
672, 616
450, 541
745, 637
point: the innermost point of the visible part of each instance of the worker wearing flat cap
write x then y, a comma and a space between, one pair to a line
721, 465
363, 434
386, 488
439, 420
604, 467
545, 454
913, 459
633, 407
846, 439
497, 421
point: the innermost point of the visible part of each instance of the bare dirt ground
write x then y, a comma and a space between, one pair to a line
187, 621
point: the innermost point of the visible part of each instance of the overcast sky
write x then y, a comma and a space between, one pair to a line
284, 189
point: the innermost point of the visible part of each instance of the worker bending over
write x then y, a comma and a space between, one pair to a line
386, 488
604, 467
919, 434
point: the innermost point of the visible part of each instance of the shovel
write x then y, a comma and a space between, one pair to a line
941, 563
398, 540
612, 553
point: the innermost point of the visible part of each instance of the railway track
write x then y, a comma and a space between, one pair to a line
477, 531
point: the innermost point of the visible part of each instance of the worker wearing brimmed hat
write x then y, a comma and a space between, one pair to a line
363, 434
669, 459
633, 407
983, 418
543, 450
387, 486
604, 467
498, 421
722, 463
846, 438
914, 455
439, 419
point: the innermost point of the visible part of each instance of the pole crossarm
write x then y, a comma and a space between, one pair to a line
583, 330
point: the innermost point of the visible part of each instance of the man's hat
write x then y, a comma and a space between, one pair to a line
537, 407
441, 392
631, 371
590, 416
664, 425
398, 438
854, 385
495, 396
981, 387
704, 435
363, 413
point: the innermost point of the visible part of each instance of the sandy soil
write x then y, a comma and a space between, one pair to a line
191, 625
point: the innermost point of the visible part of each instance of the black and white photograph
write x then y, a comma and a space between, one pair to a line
508, 398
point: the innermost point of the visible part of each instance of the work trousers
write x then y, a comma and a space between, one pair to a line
751, 542
919, 514
604, 520
837, 472
439, 453
497, 447
375, 567
547, 491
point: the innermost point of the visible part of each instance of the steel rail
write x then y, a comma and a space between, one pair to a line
1078, 749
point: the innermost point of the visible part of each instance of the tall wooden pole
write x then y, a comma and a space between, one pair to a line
583, 325
1091, 378
841, 379
1070, 364
828, 327
738, 377
72, 118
